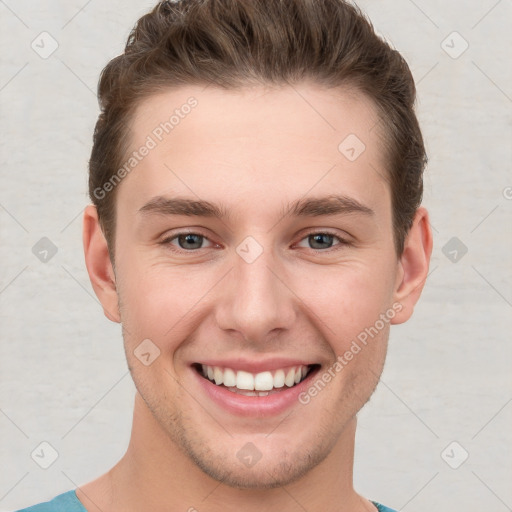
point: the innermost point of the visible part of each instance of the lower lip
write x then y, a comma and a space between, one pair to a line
243, 405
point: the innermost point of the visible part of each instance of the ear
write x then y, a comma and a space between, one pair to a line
413, 266
99, 266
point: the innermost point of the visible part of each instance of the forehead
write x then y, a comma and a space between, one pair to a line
256, 141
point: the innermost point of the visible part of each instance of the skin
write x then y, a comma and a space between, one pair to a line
253, 151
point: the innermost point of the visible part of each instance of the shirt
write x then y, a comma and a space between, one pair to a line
68, 502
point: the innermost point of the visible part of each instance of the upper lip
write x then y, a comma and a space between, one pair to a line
255, 366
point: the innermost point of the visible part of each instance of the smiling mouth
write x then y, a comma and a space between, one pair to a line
256, 384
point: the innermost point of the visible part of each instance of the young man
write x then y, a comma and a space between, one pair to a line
256, 177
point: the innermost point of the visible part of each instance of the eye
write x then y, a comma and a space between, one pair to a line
322, 241
187, 241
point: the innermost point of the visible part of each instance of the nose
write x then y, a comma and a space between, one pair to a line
257, 301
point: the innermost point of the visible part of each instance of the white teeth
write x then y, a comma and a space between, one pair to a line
229, 377
259, 383
244, 380
279, 379
218, 375
263, 381
290, 377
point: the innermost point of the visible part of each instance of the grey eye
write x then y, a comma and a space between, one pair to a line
190, 241
321, 240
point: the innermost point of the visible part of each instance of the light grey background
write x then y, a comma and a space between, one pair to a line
64, 378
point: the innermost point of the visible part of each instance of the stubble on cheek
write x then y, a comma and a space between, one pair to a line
351, 384
364, 377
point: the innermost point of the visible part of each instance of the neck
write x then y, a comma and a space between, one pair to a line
155, 474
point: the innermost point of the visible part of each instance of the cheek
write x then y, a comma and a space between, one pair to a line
159, 302
346, 301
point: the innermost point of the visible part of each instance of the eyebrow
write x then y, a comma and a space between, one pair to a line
329, 205
308, 207
183, 206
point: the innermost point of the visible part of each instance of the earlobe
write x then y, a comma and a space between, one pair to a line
413, 266
99, 266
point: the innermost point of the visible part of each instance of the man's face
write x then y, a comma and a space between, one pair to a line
265, 287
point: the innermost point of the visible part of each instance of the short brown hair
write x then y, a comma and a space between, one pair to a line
237, 43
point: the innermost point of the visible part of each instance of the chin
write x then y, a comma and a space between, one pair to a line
255, 462
263, 475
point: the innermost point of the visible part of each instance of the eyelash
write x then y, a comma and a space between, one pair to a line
167, 241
